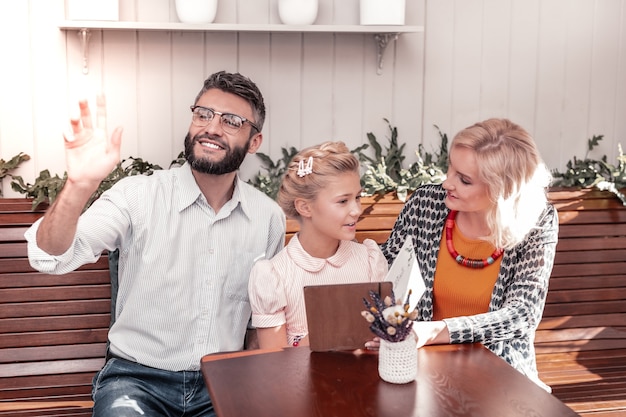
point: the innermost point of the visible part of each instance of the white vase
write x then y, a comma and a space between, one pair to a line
397, 361
196, 11
297, 12
382, 12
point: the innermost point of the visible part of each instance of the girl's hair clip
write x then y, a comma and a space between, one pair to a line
303, 170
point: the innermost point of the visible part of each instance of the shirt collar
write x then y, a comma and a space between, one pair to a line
309, 263
189, 192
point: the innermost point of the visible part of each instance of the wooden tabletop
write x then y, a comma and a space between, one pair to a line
453, 380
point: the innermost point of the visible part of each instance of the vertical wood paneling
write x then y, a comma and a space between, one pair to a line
285, 92
348, 89
438, 69
187, 81
377, 91
466, 70
495, 65
254, 61
154, 97
120, 75
408, 96
127, 10
317, 88
325, 12
550, 81
346, 12
409, 73
16, 112
408, 82
49, 88
155, 10
524, 22
556, 67
577, 77
604, 75
619, 124
227, 11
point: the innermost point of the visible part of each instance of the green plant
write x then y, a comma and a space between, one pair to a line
269, 182
7, 166
385, 172
46, 187
587, 172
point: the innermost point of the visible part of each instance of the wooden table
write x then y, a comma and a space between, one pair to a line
453, 380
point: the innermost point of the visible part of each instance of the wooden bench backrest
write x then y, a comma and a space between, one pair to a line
586, 305
53, 328
376, 222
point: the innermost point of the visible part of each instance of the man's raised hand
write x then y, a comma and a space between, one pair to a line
90, 154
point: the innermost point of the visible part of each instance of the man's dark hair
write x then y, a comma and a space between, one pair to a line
241, 86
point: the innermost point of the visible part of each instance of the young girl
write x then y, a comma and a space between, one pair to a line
322, 191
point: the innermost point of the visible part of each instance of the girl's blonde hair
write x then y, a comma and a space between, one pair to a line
509, 163
328, 159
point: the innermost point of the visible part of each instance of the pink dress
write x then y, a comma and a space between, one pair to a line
275, 286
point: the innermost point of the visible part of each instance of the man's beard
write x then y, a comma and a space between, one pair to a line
230, 163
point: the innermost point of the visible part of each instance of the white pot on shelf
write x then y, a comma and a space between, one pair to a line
196, 11
297, 12
382, 12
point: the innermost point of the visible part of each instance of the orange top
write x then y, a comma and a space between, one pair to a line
459, 290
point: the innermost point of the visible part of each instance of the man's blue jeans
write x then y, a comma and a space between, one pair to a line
124, 388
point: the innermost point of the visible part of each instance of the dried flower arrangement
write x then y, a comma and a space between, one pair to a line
389, 320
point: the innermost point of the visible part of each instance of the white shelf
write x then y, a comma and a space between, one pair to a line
383, 34
232, 27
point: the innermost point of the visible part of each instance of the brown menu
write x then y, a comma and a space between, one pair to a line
334, 314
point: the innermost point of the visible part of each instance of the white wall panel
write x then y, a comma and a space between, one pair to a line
46, 91
577, 80
119, 83
154, 97
607, 22
557, 67
438, 70
316, 110
17, 118
347, 88
187, 76
467, 62
523, 62
495, 64
550, 80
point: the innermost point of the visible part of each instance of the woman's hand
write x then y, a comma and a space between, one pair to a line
431, 333
427, 332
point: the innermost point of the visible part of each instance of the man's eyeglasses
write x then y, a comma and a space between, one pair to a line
231, 123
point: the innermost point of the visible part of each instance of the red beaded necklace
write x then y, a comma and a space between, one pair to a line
460, 259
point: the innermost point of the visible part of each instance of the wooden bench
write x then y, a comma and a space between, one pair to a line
376, 222
581, 340
53, 328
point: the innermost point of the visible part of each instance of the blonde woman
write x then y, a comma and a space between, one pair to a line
485, 241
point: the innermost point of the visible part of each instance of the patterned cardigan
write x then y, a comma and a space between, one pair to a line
518, 298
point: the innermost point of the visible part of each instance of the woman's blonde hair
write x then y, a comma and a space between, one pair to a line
327, 160
509, 163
